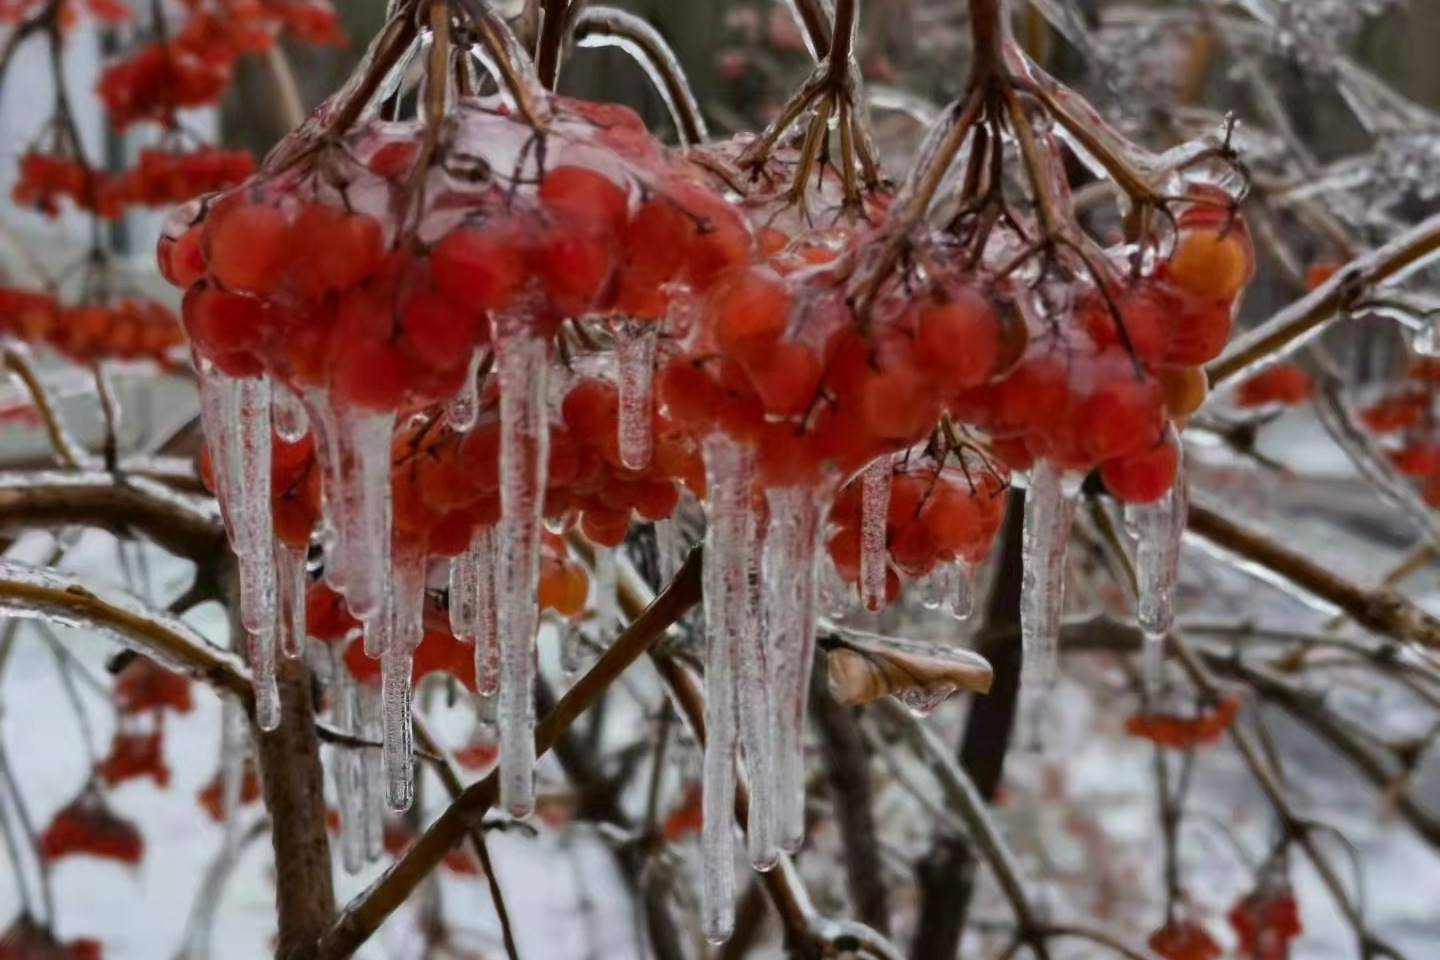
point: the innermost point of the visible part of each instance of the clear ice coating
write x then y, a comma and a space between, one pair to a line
291, 569
962, 591
635, 353
797, 518
233, 748
235, 413
521, 361
1160, 528
464, 408
874, 508
1050, 502
371, 803
669, 549
729, 470
607, 601
345, 763
398, 742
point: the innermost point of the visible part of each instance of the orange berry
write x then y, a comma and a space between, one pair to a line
957, 341
1211, 264
248, 247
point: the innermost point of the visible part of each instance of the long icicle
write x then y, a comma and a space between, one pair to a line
406, 604
372, 805
635, 353
1050, 503
1161, 528
521, 360
236, 414
797, 517
345, 763
728, 471
874, 509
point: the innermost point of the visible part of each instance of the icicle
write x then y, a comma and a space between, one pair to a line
874, 508
236, 416
728, 470
464, 408
962, 591
349, 791
1050, 503
521, 360
291, 420
487, 635
406, 605
607, 604
797, 517
395, 671
1160, 527
290, 564
836, 598
464, 583
635, 352
755, 693
233, 725
372, 807
669, 549
938, 586
365, 464
572, 648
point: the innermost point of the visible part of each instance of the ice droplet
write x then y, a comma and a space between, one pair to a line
635, 352
874, 510
521, 360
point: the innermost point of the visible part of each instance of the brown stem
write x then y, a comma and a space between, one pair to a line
32, 501
363, 916
66, 448
551, 42
847, 773
987, 31
294, 783
1382, 611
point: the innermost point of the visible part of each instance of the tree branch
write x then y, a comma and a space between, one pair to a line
612, 27
27, 591
183, 525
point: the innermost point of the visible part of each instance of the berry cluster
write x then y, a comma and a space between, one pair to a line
941, 511
211, 797
28, 939
164, 177
1281, 385
1265, 921
122, 329
88, 827
1404, 418
133, 756
1176, 732
46, 178
1184, 940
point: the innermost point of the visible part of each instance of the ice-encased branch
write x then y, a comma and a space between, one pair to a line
44, 594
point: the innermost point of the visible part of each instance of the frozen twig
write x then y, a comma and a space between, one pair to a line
610, 26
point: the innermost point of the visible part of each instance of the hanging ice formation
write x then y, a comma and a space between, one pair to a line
875, 504
1050, 502
521, 360
635, 354
235, 413
1160, 528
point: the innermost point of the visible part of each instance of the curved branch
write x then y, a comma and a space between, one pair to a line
66, 448
44, 594
612, 27
1304, 319
184, 525
1382, 611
